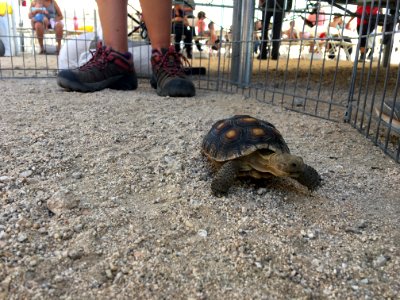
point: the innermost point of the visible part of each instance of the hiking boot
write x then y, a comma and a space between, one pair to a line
106, 69
169, 76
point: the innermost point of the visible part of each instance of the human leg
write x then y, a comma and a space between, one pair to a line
370, 38
113, 17
277, 29
266, 18
362, 32
178, 32
59, 27
39, 29
158, 22
188, 31
196, 40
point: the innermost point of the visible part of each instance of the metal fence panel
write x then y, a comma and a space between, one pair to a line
318, 71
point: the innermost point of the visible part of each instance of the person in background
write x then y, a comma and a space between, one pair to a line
182, 25
317, 16
201, 28
315, 19
367, 18
291, 33
337, 21
39, 12
275, 9
214, 41
112, 65
335, 32
256, 37
52, 20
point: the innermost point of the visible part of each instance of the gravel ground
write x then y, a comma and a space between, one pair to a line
107, 196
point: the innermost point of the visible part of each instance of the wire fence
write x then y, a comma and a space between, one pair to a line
319, 71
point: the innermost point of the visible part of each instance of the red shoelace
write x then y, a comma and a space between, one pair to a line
99, 58
170, 62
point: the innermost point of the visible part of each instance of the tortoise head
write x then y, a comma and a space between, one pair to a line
294, 166
285, 164
278, 164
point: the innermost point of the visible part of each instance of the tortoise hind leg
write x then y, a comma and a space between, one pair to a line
225, 177
309, 178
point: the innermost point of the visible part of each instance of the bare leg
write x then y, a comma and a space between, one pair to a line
113, 17
59, 34
157, 15
39, 28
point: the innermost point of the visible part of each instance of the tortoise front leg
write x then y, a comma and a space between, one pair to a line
225, 177
310, 178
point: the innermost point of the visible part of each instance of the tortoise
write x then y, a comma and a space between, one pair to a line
246, 146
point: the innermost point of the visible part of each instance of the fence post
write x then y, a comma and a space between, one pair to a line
243, 17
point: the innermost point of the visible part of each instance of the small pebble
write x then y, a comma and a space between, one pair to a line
33, 263
61, 202
202, 233
25, 174
77, 175
78, 228
109, 274
75, 254
5, 178
380, 261
22, 237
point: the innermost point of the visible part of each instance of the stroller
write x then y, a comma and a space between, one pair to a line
141, 26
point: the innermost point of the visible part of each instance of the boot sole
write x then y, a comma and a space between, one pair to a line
122, 82
176, 92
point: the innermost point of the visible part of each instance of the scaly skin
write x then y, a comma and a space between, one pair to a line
225, 177
259, 166
309, 178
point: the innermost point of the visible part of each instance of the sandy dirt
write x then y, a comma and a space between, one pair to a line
107, 196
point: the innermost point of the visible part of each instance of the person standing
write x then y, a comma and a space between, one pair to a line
182, 25
275, 9
367, 18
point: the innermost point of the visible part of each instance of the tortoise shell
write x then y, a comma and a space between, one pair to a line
241, 135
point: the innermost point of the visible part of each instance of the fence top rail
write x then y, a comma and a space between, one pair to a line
392, 3
50, 31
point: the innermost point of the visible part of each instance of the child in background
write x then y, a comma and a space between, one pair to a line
291, 33
39, 11
214, 40
201, 29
